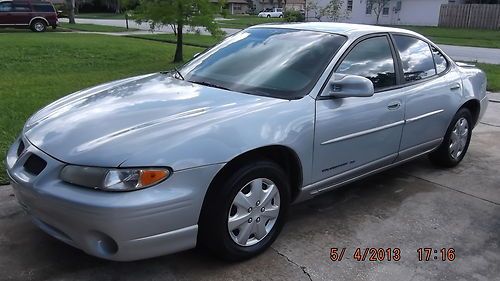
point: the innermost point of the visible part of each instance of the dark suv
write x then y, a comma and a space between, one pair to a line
36, 15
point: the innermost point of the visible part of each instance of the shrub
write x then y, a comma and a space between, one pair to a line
294, 16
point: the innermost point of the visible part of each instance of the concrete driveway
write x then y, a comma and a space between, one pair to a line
409, 207
460, 53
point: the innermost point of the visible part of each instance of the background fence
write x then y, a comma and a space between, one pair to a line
486, 16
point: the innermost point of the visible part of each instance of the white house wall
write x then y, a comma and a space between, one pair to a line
413, 12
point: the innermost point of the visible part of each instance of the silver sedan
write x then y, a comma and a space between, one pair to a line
214, 153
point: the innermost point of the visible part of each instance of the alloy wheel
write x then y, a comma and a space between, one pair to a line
458, 138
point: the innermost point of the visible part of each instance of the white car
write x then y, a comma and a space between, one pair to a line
272, 13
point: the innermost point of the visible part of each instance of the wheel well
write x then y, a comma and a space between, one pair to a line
284, 156
474, 107
39, 18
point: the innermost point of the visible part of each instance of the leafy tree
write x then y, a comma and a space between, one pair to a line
378, 6
333, 10
179, 14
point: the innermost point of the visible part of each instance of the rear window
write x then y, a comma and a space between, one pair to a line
47, 8
21, 7
416, 57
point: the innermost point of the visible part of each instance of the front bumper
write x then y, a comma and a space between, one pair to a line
113, 225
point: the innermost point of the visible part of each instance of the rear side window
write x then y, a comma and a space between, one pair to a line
371, 58
439, 60
22, 7
416, 58
5, 7
43, 8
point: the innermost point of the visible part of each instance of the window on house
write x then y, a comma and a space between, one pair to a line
369, 7
416, 58
371, 58
385, 11
349, 5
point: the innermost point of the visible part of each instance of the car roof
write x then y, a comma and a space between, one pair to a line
348, 29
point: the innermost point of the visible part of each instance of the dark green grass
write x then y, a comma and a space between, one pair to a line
100, 16
244, 21
459, 36
94, 27
188, 39
39, 68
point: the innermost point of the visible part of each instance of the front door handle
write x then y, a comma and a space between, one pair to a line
394, 105
455, 86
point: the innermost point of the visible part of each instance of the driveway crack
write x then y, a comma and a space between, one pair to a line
303, 268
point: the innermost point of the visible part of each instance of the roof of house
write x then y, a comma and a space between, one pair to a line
348, 29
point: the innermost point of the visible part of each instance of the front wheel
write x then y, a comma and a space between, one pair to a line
456, 141
268, 16
244, 214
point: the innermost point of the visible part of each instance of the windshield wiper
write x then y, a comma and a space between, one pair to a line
179, 73
209, 84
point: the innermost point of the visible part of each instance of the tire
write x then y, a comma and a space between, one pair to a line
227, 241
456, 141
38, 26
281, 16
268, 16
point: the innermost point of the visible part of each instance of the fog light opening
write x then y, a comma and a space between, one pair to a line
104, 244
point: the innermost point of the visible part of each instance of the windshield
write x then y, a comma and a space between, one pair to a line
275, 62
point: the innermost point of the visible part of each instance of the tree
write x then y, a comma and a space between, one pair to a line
332, 10
71, 10
179, 14
377, 6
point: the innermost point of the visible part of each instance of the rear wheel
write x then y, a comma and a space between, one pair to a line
38, 26
268, 16
455, 142
244, 214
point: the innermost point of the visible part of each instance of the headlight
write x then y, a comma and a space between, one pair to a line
127, 179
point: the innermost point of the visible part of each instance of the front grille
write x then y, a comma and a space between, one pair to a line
34, 165
20, 148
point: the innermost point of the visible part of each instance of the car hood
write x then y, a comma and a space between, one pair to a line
105, 125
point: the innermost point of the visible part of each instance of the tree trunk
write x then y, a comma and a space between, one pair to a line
71, 14
178, 50
117, 7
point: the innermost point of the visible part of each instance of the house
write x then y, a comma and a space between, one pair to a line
235, 7
287, 4
393, 12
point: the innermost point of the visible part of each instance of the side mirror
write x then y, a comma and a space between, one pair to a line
344, 86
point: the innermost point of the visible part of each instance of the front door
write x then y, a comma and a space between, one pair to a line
358, 134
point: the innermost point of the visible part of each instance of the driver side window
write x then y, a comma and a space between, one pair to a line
371, 58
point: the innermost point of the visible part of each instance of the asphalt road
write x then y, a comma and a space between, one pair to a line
460, 53
409, 207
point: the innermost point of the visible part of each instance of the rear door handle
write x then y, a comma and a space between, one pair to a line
455, 87
394, 105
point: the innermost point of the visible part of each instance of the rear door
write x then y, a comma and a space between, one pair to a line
6, 13
355, 135
429, 89
21, 13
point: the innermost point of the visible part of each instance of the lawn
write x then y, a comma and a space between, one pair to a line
39, 68
459, 36
244, 21
493, 74
188, 39
100, 16
94, 27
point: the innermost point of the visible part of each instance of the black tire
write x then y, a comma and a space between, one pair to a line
268, 16
281, 16
213, 232
38, 26
443, 155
